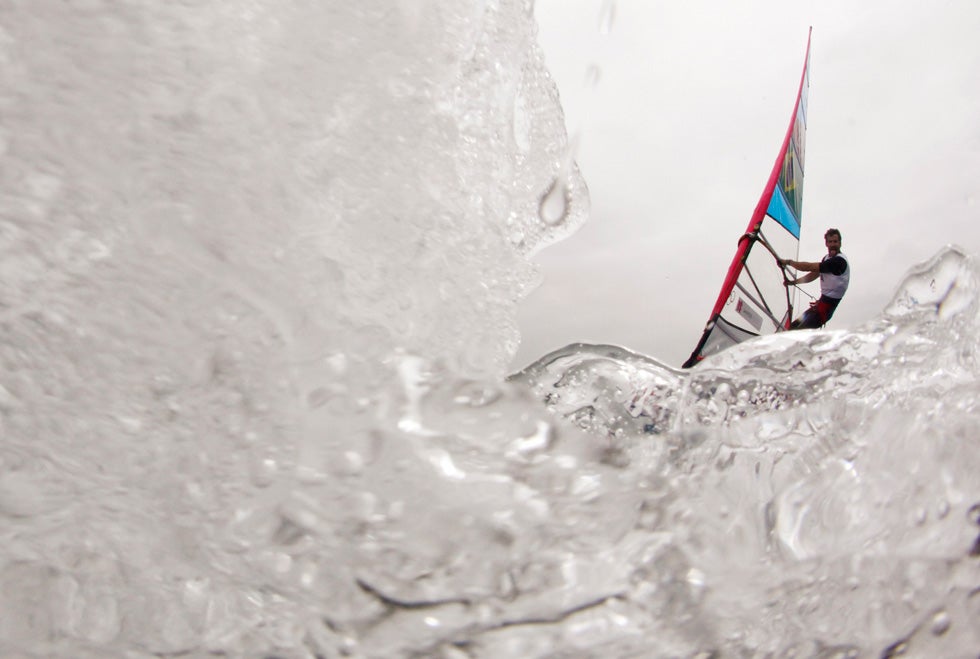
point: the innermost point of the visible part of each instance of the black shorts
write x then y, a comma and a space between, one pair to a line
818, 314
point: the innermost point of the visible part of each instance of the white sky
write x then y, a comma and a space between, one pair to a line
680, 133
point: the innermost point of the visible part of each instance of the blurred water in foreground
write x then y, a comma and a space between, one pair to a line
258, 271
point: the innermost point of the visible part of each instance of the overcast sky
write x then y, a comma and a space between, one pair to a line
680, 132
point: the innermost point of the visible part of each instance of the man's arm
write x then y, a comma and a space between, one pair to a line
805, 266
811, 269
806, 279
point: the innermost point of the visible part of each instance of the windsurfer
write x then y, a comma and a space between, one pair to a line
834, 274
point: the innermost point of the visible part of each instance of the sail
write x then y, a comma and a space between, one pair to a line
754, 299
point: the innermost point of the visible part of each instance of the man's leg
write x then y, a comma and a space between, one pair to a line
815, 317
812, 318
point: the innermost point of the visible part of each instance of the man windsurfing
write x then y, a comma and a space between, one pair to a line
834, 273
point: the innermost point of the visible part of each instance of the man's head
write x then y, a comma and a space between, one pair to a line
832, 240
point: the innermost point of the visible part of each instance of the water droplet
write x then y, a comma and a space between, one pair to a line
318, 397
593, 74
477, 394
940, 623
21, 495
43, 186
696, 578
973, 514
278, 562
607, 16
554, 203
353, 462
7, 400
131, 424
264, 471
896, 649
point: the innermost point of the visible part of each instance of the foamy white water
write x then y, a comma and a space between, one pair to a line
258, 271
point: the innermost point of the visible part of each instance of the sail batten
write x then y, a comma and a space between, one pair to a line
737, 315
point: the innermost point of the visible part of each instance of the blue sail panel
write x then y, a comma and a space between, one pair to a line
779, 210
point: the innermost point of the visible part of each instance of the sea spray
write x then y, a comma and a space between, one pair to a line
221, 229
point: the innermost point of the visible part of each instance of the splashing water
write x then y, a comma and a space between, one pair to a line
820, 485
258, 269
